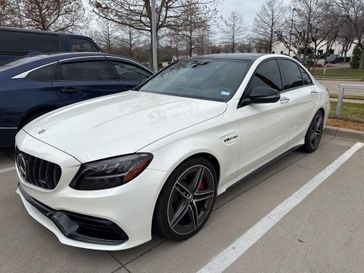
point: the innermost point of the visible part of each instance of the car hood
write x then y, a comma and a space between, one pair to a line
119, 124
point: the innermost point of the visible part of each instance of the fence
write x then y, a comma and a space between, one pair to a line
340, 98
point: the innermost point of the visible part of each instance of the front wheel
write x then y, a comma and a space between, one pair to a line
314, 133
186, 200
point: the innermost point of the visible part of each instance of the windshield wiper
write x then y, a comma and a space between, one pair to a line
199, 63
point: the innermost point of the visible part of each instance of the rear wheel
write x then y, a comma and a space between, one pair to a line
314, 133
186, 200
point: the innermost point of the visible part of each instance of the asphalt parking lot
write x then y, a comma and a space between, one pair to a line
322, 233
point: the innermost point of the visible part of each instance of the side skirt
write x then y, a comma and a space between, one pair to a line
247, 175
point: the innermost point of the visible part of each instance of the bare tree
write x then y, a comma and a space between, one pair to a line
137, 14
310, 30
268, 20
7, 13
346, 38
132, 39
53, 15
195, 22
234, 29
106, 35
353, 13
203, 41
4, 12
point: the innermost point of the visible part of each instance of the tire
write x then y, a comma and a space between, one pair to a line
186, 200
314, 133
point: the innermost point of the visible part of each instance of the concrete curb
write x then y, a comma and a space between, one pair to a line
341, 80
346, 133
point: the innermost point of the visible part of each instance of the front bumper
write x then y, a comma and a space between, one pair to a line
79, 227
130, 207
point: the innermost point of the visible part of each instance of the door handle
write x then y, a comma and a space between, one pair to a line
284, 100
314, 92
69, 90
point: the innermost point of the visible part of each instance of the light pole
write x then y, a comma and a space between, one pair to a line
290, 33
154, 38
307, 36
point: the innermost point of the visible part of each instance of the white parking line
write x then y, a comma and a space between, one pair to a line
7, 170
230, 254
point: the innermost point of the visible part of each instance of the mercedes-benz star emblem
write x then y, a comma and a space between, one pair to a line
22, 166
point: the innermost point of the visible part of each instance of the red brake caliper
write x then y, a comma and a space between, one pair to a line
201, 186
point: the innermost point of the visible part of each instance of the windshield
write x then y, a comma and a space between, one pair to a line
205, 78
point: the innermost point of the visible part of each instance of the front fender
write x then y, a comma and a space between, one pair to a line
221, 142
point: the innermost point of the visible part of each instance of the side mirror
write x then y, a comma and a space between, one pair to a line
263, 95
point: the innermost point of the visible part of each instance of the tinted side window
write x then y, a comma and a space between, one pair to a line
83, 71
267, 75
305, 77
129, 72
44, 74
291, 74
16, 41
82, 45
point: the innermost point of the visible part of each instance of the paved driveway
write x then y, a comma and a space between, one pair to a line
333, 87
322, 233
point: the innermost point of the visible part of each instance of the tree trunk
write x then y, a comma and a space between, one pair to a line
233, 45
130, 44
151, 50
271, 36
361, 65
270, 43
190, 45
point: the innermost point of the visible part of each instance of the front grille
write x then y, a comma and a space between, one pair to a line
36, 171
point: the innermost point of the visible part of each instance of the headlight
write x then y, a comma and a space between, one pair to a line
109, 173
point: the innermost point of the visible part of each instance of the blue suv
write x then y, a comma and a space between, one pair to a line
35, 85
16, 43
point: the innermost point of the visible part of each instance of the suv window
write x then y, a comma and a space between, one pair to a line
291, 74
81, 45
17, 41
267, 75
129, 72
83, 71
305, 77
44, 74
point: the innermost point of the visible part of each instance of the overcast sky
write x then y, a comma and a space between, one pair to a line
247, 8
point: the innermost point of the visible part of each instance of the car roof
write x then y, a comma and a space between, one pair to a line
37, 31
233, 56
42, 59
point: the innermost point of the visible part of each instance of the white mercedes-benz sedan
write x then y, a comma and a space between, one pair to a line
104, 173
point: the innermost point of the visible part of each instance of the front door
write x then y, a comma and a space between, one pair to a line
263, 127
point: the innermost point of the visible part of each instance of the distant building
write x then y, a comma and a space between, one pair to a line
279, 48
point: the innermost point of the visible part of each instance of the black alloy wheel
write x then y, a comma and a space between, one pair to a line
314, 133
186, 201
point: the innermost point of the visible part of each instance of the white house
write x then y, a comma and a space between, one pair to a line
279, 48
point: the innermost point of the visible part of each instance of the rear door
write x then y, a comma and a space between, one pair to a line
24, 94
299, 95
81, 79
